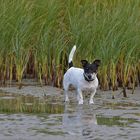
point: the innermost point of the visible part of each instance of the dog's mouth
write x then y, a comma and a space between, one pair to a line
88, 77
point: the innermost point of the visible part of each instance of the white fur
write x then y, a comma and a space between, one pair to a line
74, 76
72, 53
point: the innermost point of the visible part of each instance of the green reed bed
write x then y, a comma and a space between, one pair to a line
36, 38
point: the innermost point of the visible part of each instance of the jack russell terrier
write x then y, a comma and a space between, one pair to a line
81, 79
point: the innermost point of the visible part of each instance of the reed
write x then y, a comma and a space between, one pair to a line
36, 37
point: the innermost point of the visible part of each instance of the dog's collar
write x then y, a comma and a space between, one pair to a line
87, 78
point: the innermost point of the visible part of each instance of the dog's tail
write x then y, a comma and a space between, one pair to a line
71, 56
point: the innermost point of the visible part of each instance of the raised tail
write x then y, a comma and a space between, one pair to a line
71, 56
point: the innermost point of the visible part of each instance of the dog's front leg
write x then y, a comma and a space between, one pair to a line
80, 96
91, 97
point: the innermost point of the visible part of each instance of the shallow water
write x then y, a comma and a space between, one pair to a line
28, 117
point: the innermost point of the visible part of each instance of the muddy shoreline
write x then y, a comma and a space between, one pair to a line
39, 91
56, 94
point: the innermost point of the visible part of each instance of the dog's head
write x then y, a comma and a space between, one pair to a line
90, 69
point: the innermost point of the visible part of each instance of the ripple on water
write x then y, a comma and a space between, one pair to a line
24, 117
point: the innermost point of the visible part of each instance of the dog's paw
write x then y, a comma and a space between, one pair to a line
80, 102
91, 102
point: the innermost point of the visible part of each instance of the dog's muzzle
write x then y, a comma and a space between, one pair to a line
88, 77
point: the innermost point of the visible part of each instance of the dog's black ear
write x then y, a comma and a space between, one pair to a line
84, 62
97, 62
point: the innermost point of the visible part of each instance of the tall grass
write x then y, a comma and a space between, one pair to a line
36, 37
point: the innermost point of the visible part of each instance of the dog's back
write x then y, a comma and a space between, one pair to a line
73, 76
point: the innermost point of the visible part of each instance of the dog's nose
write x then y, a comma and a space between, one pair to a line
89, 76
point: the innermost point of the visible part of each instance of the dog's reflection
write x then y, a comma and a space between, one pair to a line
78, 119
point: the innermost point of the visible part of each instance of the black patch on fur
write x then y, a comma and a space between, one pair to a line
70, 64
90, 68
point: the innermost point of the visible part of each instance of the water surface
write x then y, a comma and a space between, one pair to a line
49, 118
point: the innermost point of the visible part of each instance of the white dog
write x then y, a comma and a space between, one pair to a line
81, 79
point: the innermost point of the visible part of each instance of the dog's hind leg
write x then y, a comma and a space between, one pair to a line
66, 87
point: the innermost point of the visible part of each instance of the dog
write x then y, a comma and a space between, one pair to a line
81, 79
